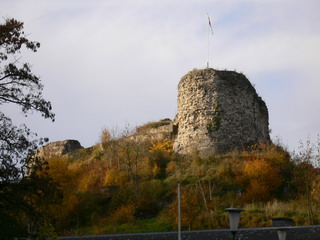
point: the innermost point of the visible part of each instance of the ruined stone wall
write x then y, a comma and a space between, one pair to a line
219, 111
153, 134
59, 148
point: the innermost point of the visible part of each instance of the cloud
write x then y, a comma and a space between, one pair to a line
105, 63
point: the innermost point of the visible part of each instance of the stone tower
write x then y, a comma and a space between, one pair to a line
219, 111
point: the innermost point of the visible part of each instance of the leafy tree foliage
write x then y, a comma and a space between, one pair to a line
24, 186
121, 183
306, 177
18, 85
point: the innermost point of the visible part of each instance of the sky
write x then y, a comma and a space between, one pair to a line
111, 64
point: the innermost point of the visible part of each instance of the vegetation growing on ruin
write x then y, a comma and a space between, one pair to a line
128, 186
151, 125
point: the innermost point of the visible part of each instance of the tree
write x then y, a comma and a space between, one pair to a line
263, 179
22, 186
18, 85
191, 207
306, 174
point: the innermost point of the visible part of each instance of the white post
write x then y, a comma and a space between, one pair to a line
179, 214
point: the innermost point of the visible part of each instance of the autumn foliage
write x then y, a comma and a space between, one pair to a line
128, 186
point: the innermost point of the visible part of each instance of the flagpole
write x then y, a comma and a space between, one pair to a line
208, 43
209, 28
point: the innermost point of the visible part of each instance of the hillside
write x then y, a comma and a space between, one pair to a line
129, 184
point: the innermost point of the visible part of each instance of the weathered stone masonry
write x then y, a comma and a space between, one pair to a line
59, 148
219, 111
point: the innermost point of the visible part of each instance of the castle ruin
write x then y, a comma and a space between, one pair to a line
219, 111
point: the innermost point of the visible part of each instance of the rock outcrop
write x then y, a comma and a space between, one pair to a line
219, 111
59, 148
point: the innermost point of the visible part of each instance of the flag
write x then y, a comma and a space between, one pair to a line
210, 24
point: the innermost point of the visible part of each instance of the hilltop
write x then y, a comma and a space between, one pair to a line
218, 147
122, 185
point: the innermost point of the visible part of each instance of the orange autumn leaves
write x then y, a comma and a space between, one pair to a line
165, 145
124, 182
262, 179
263, 174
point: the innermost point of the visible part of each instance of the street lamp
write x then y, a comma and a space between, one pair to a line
234, 217
282, 233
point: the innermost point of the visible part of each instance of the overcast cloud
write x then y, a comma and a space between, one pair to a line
110, 63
